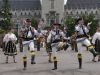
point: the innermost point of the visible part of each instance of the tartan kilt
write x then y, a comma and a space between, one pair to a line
10, 49
97, 46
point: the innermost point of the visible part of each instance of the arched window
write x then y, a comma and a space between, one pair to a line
81, 12
85, 12
21, 13
77, 12
25, 13
15, 14
96, 12
35, 14
66, 13
71, 12
91, 12
29, 13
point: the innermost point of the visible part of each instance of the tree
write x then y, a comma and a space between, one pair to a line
5, 13
34, 22
70, 22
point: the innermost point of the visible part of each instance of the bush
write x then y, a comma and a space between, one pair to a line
2, 31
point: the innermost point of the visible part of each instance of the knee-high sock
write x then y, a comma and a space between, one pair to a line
93, 52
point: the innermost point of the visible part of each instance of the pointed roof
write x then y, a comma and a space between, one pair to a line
25, 4
81, 4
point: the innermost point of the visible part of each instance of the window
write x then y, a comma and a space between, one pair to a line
96, 12
29, 13
21, 13
52, 4
25, 13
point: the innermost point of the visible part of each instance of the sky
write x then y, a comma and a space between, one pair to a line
64, 1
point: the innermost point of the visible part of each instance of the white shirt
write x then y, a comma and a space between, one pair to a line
54, 33
95, 37
80, 30
9, 36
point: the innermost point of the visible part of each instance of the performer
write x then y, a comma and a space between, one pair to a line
96, 41
82, 37
28, 36
10, 46
54, 38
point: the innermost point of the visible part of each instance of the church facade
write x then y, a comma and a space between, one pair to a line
52, 11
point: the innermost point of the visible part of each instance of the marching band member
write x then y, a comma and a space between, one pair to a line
82, 37
96, 41
10, 47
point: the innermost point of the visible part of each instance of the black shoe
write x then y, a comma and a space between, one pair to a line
24, 68
54, 69
50, 61
93, 60
80, 67
98, 60
15, 62
33, 62
6, 62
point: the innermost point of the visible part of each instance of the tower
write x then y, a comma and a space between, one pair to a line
52, 11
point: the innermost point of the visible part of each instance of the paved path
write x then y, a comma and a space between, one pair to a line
67, 64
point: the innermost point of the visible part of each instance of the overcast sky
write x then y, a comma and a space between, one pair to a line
64, 1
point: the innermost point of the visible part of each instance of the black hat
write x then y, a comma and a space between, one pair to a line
28, 20
79, 19
57, 24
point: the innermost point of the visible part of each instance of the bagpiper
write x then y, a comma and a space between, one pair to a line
10, 46
83, 37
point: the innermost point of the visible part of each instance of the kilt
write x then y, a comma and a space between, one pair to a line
10, 49
97, 45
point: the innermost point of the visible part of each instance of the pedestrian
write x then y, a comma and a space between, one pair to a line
10, 44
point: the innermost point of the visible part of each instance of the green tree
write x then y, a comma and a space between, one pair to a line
95, 22
70, 22
5, 13
34, 22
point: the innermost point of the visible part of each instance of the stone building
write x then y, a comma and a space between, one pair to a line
52, 11
78, 7
22, 9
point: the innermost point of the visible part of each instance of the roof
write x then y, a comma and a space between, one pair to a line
24, 4
81, 4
